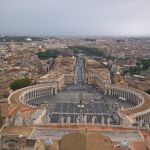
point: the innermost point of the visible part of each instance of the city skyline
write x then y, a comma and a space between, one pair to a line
75, 18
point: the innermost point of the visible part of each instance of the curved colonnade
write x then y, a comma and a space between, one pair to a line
22, 96
140, 112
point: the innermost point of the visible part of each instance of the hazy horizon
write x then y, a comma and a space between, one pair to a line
96, 18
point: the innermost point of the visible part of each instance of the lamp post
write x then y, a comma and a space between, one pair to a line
81, 107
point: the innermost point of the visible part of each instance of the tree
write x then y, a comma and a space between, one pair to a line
20, 83
48, 54
145, 63
87, 51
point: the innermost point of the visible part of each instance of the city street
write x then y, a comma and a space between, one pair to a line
80, 72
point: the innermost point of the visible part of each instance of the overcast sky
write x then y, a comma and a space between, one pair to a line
75, 17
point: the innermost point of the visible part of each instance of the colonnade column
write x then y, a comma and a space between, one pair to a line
105, 92
55, 91
109, 91
51, 91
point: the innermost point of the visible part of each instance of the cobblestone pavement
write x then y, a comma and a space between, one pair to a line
95, 104
69, 98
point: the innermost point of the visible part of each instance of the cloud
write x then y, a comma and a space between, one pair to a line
75, 17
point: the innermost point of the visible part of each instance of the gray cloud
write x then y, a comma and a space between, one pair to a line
75, 17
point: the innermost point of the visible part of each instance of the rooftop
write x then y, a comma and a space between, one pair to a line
53, 74
12, 130
85, 141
